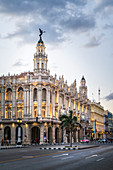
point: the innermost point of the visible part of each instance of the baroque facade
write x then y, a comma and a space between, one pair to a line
97, 120
38, 99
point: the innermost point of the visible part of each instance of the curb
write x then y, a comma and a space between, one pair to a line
76, 148
59, 148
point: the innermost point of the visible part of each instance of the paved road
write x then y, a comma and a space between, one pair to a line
100, 158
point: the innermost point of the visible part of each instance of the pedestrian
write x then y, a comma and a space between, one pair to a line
2, 142
7, 142
35, 141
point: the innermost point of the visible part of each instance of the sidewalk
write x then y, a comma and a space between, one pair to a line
11, 147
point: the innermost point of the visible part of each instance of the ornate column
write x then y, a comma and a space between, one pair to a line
48, 102
42, 134
39, 107
2, 102
14, 102
53, 104
31, 101
53, 133
13, 130
28, 101
25, 102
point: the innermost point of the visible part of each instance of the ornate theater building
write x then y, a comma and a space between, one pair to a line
33, 101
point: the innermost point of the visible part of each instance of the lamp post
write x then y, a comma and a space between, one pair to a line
19, 121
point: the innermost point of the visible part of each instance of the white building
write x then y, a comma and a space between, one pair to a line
38, 94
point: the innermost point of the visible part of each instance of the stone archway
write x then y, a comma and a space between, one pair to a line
7, 133
49, 135
57, 135
35, 134
17, 134
68, 135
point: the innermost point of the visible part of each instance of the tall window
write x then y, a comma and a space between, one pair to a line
50, 97
35, 111
35, 95
20, 94
9, 114
9, 94
42, 66
56, 96
38, 66
43, 94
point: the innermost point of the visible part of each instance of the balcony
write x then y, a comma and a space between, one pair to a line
8, 102
19, 101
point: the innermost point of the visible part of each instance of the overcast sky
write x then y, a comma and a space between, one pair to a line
78, 39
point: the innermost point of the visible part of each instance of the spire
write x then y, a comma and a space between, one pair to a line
99, 95
40, 57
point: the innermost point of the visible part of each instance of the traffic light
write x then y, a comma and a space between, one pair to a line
36, 119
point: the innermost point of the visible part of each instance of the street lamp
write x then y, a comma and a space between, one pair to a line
19, 121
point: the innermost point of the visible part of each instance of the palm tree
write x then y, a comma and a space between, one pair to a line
70, 122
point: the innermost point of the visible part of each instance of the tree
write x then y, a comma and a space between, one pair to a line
70, 122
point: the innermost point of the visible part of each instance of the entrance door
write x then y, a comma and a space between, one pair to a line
49, 135
57, 135
35, 134
7, 133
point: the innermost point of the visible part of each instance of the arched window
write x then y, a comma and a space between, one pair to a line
20, 93
35, 95
42, 66
43, 94
56, 97
9, 94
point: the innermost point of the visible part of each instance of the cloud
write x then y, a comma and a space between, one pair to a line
109, 97
104, 5
93, 42
108, 26
53, 66
58, 18
19, 63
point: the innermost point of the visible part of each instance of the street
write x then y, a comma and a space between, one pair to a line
33, 158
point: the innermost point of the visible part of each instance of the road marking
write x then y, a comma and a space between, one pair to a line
27, 156
67, 157
60, 155
91, 156
37, 156
60, 151
23, 150
100, 159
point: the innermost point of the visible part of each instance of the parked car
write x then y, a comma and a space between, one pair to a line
103, 141
85, 141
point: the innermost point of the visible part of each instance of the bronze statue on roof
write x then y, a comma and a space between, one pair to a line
41, 32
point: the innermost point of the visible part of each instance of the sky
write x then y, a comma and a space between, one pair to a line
78, 40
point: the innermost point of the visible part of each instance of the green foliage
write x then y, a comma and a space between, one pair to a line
70, 122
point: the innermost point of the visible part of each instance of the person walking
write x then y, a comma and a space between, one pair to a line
2, 142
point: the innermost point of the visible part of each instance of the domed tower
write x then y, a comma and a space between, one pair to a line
40, 57
83, 87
